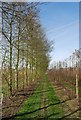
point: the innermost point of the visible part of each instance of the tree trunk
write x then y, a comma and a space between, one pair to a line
11, 58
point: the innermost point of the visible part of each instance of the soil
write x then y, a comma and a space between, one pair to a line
10, 106
70, 106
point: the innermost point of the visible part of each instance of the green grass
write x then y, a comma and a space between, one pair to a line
69, 86
43, 103
55, 109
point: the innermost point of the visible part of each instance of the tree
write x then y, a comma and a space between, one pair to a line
26, 44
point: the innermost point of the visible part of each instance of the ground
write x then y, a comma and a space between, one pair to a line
46, 100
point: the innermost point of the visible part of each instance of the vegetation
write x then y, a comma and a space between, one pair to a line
25, 59
42, 104
25, 47
67, 73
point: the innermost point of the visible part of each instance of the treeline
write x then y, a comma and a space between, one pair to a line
25, 48
67, 73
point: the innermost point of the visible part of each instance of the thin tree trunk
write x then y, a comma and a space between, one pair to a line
17, 65
26, 72
11, 58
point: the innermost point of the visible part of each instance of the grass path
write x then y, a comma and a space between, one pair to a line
44, 103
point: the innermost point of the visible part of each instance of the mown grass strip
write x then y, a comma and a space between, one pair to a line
43, 101
54, 109
30, 107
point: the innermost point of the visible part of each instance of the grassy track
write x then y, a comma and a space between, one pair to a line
44, 103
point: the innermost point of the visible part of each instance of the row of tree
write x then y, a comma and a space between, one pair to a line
67, 73
25, 47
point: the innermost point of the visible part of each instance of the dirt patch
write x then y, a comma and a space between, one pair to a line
11, 105
70, 106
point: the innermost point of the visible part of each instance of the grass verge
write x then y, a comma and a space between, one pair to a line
44, 103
